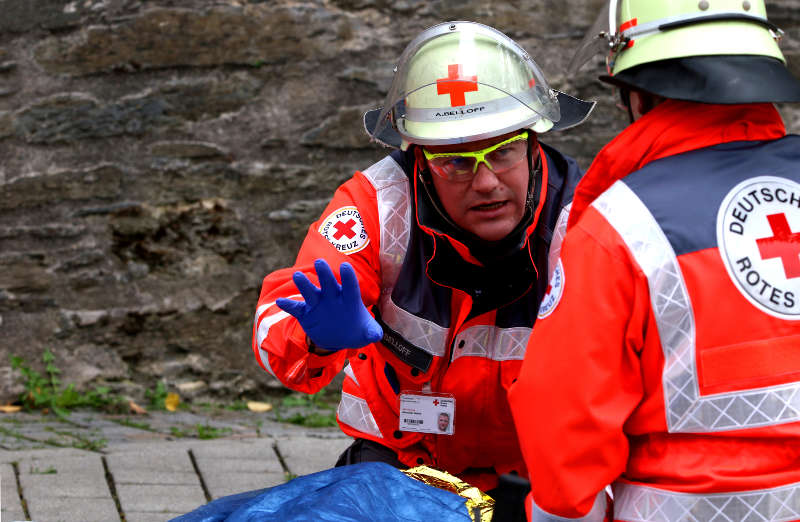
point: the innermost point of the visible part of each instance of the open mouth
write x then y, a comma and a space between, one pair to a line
489, 206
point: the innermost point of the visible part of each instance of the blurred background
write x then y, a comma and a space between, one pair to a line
159, 158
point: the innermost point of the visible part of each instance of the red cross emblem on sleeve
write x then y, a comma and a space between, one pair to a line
455, 84
344, 229
783, 244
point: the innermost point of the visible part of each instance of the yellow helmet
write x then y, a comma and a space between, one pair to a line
715, 51
463, 81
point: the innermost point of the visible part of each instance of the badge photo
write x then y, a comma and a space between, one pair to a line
344, 229
427, 413
758, 235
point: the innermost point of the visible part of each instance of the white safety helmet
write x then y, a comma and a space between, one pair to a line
463, 81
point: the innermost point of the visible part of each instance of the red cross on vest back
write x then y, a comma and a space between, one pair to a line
344, 229
783, 244
456, 85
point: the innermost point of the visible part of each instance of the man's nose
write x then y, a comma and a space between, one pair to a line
485, 180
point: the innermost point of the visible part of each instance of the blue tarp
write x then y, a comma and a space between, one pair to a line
366, 492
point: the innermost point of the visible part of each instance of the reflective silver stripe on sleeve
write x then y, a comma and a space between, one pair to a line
634, 503
492, 342
394, 210
354, 412
597, 513
558, 237
687, 411
262, 329
348, 370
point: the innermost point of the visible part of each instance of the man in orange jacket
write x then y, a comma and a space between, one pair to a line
666, 358
442, 249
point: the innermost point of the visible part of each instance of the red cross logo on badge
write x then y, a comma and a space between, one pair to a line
344, 229
435, 402
783, 244
758, 237
456, 85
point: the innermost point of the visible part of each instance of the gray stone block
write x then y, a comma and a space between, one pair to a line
304, 455
221, 484
152, 476
158, 459
9, 496
56, 509
254, 449
160, 498
260, 465
143, 516
75, 485
43, 457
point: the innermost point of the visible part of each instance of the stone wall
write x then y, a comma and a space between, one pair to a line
160, 157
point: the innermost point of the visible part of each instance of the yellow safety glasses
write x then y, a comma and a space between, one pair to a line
462, 166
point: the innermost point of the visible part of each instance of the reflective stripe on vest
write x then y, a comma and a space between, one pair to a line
686, 410
596, 514
394, 211
354, 412
634, 503
498, 344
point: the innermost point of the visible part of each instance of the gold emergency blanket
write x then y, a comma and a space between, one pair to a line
479, 505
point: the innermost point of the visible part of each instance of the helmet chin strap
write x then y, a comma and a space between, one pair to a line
534, 180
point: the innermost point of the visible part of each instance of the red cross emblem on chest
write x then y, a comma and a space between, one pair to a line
344, 229
783, 244
456, 85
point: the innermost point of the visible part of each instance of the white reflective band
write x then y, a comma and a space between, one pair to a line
266, 323
263, 356
354, 412
653, 26
634, 503
492, 342
394, 212
559, 232
596, 514
686, 410
348, 370
420, 332
465, 112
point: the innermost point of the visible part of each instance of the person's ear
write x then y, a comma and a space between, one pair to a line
643, 102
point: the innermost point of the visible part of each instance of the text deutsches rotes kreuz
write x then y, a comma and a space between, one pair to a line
758, 233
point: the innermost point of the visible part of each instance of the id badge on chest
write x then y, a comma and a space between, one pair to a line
427, 412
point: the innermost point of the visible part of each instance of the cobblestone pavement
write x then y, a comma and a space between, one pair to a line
105, 468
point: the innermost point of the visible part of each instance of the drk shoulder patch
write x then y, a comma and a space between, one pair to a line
554, 291
758, 236
344, 229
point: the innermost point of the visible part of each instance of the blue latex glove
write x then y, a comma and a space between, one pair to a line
333, 316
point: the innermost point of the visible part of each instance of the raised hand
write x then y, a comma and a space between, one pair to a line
333, 316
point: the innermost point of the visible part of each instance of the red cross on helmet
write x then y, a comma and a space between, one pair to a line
464, 81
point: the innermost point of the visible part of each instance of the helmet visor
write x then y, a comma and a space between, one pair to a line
597, 40
463, 81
